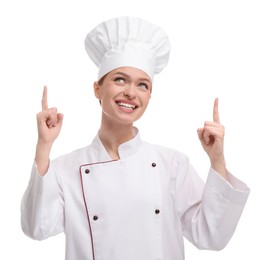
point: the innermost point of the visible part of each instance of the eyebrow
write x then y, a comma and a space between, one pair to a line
127, 76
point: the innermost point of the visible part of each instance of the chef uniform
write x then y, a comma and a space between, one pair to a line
140, 206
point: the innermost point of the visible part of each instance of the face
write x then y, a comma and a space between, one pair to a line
124, 95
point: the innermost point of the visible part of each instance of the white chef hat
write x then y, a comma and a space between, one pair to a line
128, 42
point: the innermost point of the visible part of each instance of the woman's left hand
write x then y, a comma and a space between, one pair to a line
212, 140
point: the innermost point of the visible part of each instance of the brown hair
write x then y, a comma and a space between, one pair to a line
101, 80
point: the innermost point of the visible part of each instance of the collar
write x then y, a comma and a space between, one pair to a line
126, 149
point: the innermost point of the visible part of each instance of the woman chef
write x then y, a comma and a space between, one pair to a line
121, 198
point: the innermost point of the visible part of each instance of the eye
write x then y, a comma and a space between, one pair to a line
144, 86
119, 80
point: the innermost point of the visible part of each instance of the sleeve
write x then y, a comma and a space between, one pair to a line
42, 205
210, 213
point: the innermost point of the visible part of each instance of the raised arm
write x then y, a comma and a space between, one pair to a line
49, 123
212, 140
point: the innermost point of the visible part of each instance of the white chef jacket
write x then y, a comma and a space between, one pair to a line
136, 208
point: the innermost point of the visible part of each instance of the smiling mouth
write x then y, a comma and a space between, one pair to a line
128, 106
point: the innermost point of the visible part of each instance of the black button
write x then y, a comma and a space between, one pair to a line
153, 164
87, 171
157, 211
95, 217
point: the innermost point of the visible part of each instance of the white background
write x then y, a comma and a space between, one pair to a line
219, 49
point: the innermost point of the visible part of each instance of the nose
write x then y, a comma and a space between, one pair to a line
129, 91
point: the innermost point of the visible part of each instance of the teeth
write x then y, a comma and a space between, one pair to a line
126, 105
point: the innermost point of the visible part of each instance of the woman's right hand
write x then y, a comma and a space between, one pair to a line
49, 126
49, 122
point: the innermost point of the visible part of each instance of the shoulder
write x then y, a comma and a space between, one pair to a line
74, 157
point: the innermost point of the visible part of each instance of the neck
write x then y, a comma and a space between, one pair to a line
112, 136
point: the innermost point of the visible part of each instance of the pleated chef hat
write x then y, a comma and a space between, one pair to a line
128, 42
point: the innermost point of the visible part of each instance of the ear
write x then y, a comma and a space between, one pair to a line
96, 88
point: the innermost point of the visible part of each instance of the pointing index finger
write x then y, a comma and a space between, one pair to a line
215, 112
44, 103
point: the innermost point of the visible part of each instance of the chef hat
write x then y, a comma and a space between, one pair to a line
128, 42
